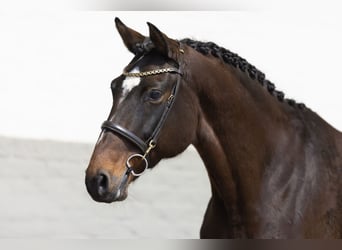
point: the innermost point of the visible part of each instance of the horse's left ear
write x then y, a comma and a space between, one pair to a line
164, 45
132, 39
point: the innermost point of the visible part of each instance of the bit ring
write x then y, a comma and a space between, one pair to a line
130, 168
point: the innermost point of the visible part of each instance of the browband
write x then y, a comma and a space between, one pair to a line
151, 72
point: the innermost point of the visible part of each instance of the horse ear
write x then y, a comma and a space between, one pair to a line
131, 38
164, 45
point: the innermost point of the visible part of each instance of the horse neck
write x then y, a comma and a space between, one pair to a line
239, 121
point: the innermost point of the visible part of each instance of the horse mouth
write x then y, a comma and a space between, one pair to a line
120, 195
109, 197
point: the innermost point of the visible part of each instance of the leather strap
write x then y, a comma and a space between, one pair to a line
171, 100
117, 129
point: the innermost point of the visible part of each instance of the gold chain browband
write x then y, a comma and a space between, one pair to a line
150, 73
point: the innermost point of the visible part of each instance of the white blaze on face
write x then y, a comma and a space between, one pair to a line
130, 82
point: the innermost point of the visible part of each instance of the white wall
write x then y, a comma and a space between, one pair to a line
56, 67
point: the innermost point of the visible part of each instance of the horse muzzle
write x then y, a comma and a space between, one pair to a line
106, 188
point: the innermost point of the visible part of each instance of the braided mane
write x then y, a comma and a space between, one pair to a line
235, 60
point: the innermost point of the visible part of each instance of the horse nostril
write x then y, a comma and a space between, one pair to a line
102, 181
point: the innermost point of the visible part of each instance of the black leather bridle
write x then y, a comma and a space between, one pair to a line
146, 146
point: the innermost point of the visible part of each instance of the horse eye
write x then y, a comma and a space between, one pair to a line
154, 95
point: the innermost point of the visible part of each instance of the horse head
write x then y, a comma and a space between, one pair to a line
153, 115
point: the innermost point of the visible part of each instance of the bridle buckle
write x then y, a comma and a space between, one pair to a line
152, 144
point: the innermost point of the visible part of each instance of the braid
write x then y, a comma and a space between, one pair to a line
236, 61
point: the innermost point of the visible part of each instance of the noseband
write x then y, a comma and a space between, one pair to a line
145, 146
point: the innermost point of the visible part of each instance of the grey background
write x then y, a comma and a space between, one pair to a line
43, 195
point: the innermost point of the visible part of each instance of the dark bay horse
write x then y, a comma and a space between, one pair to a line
274, 165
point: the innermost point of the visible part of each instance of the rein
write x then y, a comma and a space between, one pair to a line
146, 146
